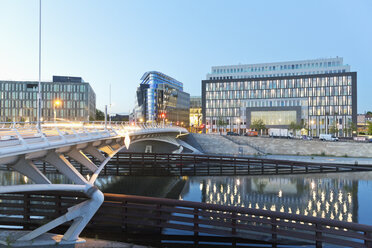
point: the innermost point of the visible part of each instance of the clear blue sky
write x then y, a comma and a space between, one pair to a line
115, 42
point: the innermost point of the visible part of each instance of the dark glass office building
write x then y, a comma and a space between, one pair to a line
161, 97
66, 98
320, 103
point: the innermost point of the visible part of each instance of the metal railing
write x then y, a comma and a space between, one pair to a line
125, 213
17, 137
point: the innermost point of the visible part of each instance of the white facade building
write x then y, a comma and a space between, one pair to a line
289, 68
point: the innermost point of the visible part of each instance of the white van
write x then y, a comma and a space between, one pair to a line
328, 137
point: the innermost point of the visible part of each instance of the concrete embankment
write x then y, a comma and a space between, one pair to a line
217, 144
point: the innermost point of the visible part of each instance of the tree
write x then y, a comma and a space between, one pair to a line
294, 126
370, 127
100, 116
221, 123
258, 125
333, 129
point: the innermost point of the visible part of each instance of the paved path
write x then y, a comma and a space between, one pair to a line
321, 159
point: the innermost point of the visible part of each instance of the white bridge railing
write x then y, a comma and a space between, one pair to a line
18, 137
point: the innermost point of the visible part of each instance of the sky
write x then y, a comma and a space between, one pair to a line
114, 42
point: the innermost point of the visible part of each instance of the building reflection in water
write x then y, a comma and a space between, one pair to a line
333, 198
319, 197
14, 178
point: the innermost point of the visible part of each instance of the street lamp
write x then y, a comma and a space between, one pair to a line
57, 103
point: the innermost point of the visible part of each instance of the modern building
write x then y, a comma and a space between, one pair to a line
279, 69
160, 98
65, 98
196, 117
324, 102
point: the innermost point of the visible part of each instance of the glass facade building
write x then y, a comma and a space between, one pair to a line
196, 119
76, 100
317, 102
159, 94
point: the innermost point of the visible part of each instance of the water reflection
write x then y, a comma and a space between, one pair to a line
14, 178
333, 198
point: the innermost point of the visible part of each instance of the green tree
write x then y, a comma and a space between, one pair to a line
370, 127
333, 129
294, 126
221, 123
258, 125
100, 116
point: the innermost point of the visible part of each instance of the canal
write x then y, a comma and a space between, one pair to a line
338, 196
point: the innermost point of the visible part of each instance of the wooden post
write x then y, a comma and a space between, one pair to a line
318, 236
143, 164
117, 164
196, 226
154, 165
169, 167
208, 165
181, 163
366, 242
194, 165
130, 163
221, 166
274, 232
26, 210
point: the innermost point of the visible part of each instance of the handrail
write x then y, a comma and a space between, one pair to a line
120, 213
242, 210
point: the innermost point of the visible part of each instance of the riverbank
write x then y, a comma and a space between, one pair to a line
217, 144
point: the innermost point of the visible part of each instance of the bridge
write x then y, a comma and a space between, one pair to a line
83, 151
91, 145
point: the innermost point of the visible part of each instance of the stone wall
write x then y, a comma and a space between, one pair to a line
218, 144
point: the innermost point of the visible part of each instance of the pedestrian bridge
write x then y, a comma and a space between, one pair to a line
91, 145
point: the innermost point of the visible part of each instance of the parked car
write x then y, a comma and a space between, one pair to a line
328, 137
306, 137
232, 134
280, 133
251, 133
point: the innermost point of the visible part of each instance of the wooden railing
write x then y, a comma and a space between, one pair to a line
216, 165
123, 213
155, 164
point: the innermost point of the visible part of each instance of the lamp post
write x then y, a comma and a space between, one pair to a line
57, 103
39, 83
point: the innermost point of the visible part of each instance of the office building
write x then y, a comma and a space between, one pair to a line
319, 103
196, 119
279, 69
66, 98
160, 98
